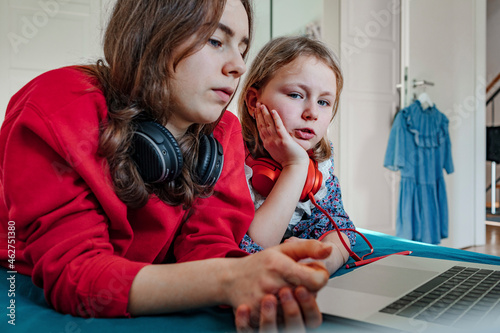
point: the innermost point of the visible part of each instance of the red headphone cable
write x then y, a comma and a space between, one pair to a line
367, 261
358, 261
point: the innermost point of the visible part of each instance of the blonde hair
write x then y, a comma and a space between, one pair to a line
271, 58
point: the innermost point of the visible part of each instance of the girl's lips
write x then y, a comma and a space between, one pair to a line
224, 94
304, 134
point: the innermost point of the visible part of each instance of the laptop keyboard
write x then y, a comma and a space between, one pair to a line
459, 297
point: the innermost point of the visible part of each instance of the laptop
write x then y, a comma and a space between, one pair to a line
416, 294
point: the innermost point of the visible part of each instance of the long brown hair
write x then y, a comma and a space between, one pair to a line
135, 74
272, 57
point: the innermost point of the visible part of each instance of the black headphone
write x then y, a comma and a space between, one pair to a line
158, 156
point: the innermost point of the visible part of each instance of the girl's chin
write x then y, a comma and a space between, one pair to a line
215, 116
305, 145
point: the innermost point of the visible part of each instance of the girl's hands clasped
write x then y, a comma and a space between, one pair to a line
298, 307
273, 275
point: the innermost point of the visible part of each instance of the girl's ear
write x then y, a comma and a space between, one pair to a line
251, 100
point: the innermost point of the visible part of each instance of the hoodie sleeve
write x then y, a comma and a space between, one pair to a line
54, 184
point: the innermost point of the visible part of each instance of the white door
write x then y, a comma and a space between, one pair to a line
446, 44
39, 35
369, 52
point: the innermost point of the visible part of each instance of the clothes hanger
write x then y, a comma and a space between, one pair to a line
425, 100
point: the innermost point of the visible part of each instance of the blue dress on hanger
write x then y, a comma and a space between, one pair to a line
419, 146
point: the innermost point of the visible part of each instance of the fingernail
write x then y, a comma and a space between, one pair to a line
302, 294
268, 306
245, 313
285, 295
320, 277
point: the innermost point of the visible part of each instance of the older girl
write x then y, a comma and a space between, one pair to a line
95, 227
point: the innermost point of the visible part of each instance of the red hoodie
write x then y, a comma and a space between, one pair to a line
73, 235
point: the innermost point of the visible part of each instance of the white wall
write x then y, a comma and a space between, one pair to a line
292, 16
492, 70
331, 36
493, 40
369, 40
262, 33
289, 17
453, 56
40, 35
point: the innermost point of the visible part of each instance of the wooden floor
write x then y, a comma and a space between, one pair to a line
492, 240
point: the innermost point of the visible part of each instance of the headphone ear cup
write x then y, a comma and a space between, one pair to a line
265, 174
156, 153
210, 160
313, 181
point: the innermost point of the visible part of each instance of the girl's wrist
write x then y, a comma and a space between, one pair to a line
299, 171
336, 258
225, 280
298, 164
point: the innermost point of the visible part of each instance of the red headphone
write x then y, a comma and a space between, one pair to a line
266, 172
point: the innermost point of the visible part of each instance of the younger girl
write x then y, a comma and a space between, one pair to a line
299, 80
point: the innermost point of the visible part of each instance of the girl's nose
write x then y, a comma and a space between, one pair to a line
311, 111
235, 65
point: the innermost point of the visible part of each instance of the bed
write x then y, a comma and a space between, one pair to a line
32, 313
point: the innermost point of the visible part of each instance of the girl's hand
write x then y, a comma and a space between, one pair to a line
276, 140
339, 255
299, 309
273, 272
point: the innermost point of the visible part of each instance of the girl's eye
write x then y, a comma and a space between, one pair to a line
215, 42
294, 95
324, 103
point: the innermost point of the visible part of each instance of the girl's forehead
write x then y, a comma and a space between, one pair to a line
307, 72
301, 65
235, 18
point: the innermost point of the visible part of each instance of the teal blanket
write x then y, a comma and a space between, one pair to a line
30, 312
